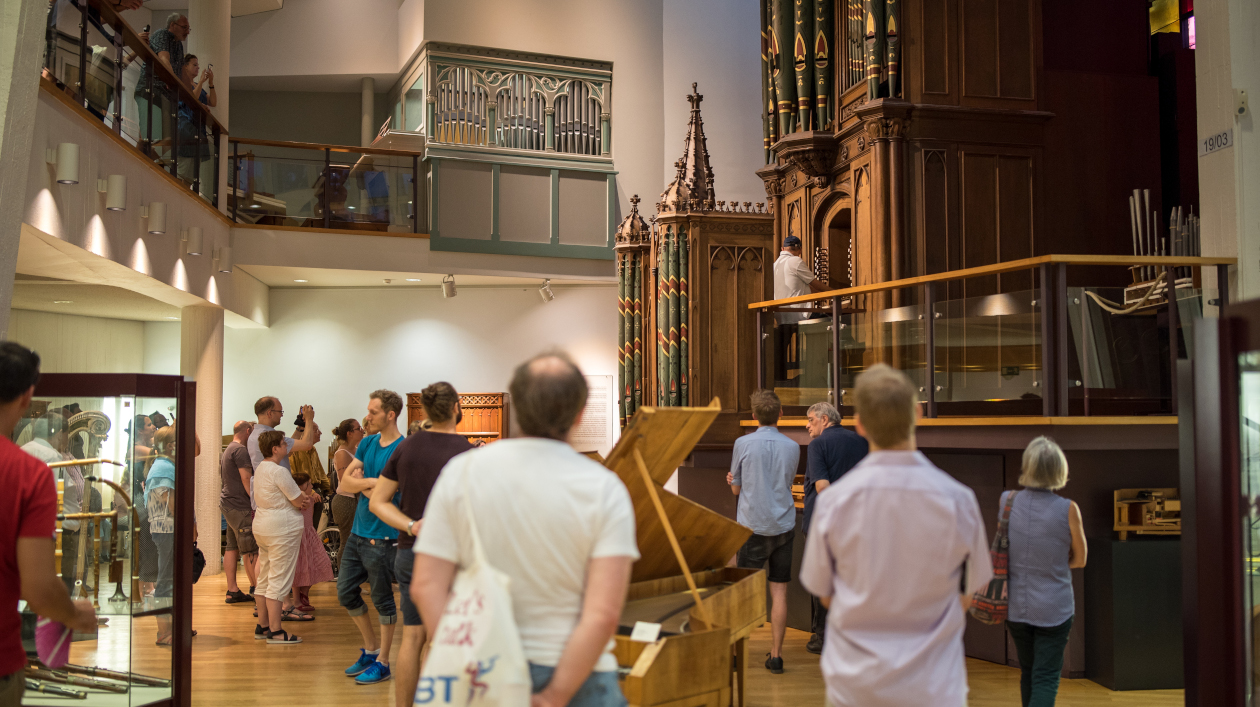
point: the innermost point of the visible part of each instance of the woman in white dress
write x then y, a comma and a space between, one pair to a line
278, 530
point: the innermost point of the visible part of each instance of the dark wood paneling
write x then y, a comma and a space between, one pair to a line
1015, 49
736, 278
979, 218
935, 65
937, 246
979, 54
1015, 218
750, 286
984, 473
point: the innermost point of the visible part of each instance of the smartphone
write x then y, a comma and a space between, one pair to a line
146, 29
210, 67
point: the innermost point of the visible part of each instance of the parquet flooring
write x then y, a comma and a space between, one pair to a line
231, 669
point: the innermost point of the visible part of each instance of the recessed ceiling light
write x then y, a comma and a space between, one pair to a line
413, 279
172, 317
63, 301
299, 280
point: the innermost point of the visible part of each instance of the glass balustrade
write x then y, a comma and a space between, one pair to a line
1049, 350
279, 184
100, 63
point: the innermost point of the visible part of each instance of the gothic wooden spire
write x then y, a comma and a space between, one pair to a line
694, 181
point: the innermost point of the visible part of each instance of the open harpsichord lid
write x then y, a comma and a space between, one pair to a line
664, 436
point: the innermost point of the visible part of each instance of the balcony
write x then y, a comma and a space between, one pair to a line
94, 60
1006, 339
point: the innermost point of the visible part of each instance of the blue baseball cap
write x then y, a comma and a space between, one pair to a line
791, 242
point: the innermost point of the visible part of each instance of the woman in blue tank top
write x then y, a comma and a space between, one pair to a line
1047, 543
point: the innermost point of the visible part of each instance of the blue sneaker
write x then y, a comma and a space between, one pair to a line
364, 662
376, 672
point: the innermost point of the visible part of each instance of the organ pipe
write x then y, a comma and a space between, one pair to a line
802, 39
784, 78
824, 43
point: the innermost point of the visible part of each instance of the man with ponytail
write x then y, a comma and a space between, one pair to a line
412, 471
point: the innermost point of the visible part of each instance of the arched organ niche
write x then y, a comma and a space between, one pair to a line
685, 280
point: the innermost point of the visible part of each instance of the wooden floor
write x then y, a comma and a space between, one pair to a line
231, 669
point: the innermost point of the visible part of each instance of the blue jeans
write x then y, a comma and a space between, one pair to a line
599, 690
402, 572
370, 561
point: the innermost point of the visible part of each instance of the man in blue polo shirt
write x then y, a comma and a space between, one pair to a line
833, 451
763, 465
369, 552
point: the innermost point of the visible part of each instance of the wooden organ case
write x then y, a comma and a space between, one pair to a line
485, 415
706, 610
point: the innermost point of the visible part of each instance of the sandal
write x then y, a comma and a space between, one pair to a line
295, 615
282, 638
167, 642
305, 608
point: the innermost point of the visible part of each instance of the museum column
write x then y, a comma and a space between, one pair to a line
367, 119
201, 360
211, 40
21, 37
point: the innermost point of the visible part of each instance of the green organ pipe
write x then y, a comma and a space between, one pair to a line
784, 73
824, 58
802, 41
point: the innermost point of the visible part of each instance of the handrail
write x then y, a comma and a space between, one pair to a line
146, 54
321, 146
1000, 268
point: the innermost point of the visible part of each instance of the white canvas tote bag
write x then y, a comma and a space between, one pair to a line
475, 658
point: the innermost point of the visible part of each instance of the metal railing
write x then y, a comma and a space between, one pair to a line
307, 185
1028, 344
103, 65
499, 99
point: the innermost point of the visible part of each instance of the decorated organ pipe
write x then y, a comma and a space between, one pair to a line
873, 12
802, 41
785, 73
892, 23
824, 49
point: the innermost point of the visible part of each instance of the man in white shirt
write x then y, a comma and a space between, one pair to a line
895, 551
558, 524
792, 277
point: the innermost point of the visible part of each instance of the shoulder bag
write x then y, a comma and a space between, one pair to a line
476, 658
990, 605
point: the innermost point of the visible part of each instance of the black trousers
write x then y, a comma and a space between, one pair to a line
1040, 651
817, 617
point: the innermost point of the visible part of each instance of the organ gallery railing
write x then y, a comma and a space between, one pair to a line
1007, 339
462, 95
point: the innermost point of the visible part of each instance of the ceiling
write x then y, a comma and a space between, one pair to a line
285, 276
43, 294
239, 7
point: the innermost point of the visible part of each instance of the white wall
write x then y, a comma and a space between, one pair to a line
716, 44
330, 348
1227, 58
67, 343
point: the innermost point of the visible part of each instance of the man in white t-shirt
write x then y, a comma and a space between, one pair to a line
896, 549
557, 523
792, 277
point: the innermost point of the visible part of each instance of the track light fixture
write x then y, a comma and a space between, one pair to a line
155, 212
193, 240
66, 158
448, 287
545, 291
115, 190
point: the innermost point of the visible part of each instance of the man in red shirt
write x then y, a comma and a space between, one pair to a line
28, 517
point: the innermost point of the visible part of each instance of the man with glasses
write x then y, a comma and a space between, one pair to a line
270, 412
168, 44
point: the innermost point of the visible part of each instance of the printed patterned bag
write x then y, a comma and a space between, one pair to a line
989, 606
476, 659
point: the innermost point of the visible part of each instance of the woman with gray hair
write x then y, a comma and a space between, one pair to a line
1047, 541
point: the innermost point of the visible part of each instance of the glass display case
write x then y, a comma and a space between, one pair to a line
121, 447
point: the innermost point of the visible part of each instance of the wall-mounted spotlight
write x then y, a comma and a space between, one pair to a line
545, 291
66, 158
448, 287
155, 212
223, 256
193, 240
115, 191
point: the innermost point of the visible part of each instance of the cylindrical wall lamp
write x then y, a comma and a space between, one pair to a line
115, 191
448, 286
156, 213
66, 159
193, 239
225, 259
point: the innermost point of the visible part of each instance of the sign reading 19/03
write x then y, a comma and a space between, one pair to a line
1219, 141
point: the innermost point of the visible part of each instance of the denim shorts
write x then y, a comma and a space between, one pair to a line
775, 549
370, 561
599, 690
402, 571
